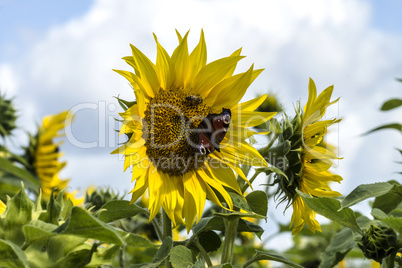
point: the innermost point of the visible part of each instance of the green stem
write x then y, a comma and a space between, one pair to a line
244, 188
167, 231
203, 253
158, 230
230, 236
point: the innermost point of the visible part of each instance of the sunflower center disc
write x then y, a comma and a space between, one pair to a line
170, 120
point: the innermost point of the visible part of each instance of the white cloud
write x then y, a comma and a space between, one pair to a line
331, 41
8, 81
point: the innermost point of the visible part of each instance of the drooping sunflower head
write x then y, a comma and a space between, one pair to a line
186, 115
7, 116
305, 158
43, 154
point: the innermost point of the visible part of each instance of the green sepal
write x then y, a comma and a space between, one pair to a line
19, 213
53, 209
125, 104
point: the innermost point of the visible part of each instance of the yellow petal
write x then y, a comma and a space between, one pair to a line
212, 74
198, 59
180, 59
250, 105
164, 66
148, 75
196, 188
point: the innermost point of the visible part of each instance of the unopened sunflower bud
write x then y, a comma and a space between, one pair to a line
99, 197
378, 242
7, 116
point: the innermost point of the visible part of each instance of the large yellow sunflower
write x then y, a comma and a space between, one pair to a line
46, 156
187, 129
309, 158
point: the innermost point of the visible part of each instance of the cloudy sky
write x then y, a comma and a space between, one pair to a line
59, 55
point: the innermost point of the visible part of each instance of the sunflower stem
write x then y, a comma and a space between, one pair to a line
167, 231
204, 254
256, 173
156, 224
230, 236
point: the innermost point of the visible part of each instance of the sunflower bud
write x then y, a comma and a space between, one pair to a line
286, 156
7, 116
378, 242
99, 197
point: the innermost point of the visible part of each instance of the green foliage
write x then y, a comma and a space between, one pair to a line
391, 104
331, 209
340, 245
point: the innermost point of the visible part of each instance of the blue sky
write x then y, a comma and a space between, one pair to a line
57, 55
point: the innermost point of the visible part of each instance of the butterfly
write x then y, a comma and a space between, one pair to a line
212, 130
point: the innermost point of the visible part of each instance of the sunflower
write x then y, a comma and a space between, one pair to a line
45, 156
187, 129
307, 158
2, 207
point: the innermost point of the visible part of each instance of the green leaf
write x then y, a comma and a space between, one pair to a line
250, 227
393, 222
181, 257
235, 215
83, 224
210, 241
391, 104
365, 191
329, 208
31, 181
161, 254
52, 213
262, 255
118, 209
136, 241
19, 213
239, 201
340, 245
389, 201
258, 201
37, 229
77, 259
60, 245
216, 223
395, 126
11, 256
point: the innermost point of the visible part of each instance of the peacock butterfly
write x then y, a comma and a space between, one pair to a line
212, 130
